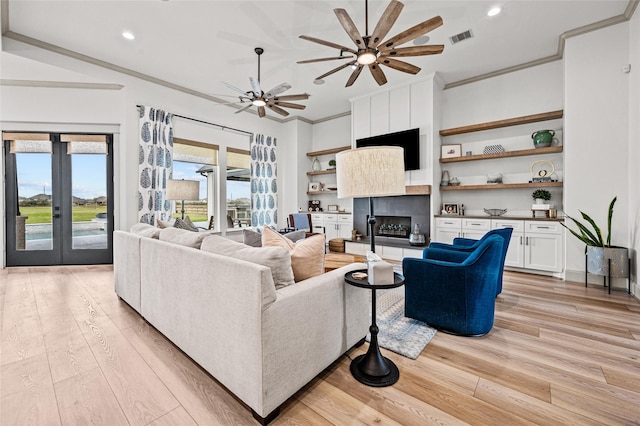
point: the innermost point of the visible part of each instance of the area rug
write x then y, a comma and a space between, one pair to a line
398, 333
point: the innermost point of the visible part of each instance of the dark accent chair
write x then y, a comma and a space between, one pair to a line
456, 292
299, 221
468, 245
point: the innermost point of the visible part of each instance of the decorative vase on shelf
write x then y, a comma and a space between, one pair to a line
416, 238
444, 181
316, 165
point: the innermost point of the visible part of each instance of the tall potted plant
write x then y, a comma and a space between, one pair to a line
598, 250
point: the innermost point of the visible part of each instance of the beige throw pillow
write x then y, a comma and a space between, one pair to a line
275, 258
183, 237
307, 255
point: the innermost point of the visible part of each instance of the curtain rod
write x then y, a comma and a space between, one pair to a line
209, 123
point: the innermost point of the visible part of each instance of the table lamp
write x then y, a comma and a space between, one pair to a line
181, 190
370, 172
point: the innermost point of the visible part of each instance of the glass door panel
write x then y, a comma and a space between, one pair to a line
89, 196
34, 218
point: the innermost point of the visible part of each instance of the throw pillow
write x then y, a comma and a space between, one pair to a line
275, 258
145, 230
163, 224
307, 255
254, 238
183, 237
183, 224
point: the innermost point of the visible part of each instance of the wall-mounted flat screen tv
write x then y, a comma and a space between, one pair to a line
407, 139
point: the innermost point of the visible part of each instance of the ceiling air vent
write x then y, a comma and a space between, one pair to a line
462, 36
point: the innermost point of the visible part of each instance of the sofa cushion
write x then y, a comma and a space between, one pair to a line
307, 255
145, 230
164, 224
275, 258
185, 224
254, 238
183, 237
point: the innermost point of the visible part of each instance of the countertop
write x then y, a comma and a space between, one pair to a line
455, 216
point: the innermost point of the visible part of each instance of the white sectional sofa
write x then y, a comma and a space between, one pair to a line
261, 343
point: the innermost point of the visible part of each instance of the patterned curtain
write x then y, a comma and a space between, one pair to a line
264, 188
155, 156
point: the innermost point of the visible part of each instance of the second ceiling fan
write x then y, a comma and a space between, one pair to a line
256, 97
372, 51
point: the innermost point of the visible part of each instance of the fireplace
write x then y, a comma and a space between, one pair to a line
391, 226
393, 214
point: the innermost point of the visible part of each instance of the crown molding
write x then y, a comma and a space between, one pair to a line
60, 84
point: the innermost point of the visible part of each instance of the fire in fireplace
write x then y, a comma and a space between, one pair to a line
392, 226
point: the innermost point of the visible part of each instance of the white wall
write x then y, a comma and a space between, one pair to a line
634, 146
597, 135
530, 91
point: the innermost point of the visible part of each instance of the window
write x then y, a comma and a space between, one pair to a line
239, 187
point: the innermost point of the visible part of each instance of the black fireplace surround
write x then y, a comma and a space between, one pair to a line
396, 213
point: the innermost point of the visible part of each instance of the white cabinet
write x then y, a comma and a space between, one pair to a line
317, 223
534, 244
337, 226
449, 228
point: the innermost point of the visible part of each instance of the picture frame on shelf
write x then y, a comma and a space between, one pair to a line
450, 151
314, 186
332, 208
451, 209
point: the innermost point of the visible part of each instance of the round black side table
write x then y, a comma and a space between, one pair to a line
372, 368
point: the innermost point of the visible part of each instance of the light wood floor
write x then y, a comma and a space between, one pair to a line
73, 354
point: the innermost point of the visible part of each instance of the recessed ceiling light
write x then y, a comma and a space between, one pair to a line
494, 11
422, 40
128, 35
318, 81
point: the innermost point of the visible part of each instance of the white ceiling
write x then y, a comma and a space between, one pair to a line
198, 44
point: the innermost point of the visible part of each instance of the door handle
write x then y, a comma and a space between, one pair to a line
520, 240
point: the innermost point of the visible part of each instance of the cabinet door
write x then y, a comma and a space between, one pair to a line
543, 252
446, 235
344, 230
391, 253
331, 230
473, 234
317, 220
355, 248
361, 118
515, 252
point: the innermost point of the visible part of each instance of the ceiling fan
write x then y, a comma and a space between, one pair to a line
372, 51
269, 99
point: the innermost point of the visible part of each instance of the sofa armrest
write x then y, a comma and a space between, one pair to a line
126, 267
312, 324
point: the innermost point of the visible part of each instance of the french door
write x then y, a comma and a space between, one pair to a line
58, 198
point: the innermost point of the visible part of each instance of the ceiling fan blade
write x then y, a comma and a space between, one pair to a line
432, 49
300, 97
234, 88
335, 70
274, 102
277, 90
255, 85
328, 43
354, 75
261, 111
411, 33
308, 61
243, 109
277, 109
386, 21
377, 73
349, 27
399, 65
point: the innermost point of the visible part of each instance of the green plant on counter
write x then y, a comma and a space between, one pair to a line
542, 194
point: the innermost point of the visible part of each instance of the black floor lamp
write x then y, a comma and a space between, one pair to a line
181, 190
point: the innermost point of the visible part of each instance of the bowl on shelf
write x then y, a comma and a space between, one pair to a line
495, 212
454, 181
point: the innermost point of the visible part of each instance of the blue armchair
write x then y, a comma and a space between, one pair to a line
455, 295
468, 245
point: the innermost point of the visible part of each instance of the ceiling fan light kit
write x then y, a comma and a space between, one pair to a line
270, 99
371, 52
